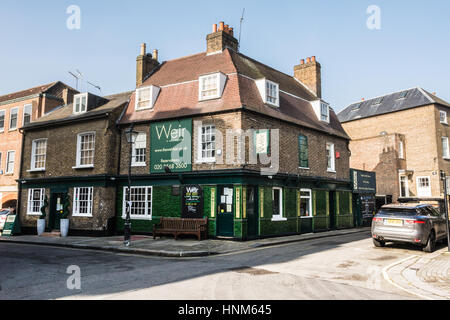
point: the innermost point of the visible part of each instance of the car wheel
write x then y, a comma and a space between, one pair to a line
378, 243
431, 243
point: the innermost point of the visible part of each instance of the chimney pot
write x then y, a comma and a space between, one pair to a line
221, 25
302, 61
155, 54
214, 27
313, 58
143, 49
308, 60
232, 31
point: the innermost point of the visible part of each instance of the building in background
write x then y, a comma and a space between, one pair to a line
404, 138
186, 112
16, 110
70, 156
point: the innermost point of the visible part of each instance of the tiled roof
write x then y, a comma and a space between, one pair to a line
393, 102
178, 80
27, 92
65, 113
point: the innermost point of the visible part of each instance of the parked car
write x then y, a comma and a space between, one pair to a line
420, 224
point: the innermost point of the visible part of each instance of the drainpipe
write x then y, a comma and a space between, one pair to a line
19, 191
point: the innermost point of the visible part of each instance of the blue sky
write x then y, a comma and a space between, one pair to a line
411, 48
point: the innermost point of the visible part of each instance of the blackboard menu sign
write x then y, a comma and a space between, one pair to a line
192, 206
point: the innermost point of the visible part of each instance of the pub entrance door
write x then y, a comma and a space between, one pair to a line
225, 213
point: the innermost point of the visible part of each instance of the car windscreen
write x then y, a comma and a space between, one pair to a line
398, 212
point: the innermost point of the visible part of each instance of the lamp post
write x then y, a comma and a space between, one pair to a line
131, 136
444, 178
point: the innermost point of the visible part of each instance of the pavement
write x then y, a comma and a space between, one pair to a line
427, 276
168, 247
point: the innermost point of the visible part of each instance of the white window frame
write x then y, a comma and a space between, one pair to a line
406, 185
30, 201
279, 216
324, 105
2, 129
10, 118
333, 157
401, 150
7, 171
148, 209
310, 202
153, 95
276, 88
262, 84
80, 97
420, 191
33, 155
78, 163
444, 141
24, 112
134, 155
441, 112
200, 157
76, 203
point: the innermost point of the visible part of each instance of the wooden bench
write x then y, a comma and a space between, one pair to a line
177, 226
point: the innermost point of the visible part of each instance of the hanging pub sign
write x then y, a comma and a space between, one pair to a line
192, 205
363, 181
171, 146
11, 226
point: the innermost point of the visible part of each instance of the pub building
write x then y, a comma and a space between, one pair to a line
222, 136
70, 157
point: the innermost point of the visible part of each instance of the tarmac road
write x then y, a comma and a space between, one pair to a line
343, 267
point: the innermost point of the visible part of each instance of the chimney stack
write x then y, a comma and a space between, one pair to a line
221, 38
145, 64
310, 74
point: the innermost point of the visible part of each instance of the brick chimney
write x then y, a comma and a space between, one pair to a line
222, 37
145, 64
309, 74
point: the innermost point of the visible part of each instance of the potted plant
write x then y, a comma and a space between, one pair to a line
41, 220
64, 217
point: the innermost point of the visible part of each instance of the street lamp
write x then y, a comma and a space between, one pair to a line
444, 178
131, 136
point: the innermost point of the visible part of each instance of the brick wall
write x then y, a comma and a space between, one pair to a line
421, 131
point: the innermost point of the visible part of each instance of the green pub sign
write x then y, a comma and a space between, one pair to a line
171, 146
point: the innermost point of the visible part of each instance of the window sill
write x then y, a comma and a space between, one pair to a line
139, 165
148, 218
200, 161
83, 167
33, 214
304, 217
8, 174
210, 98
303, 168
446, 123
279, 219
446, 158
81, 216
331, 171
36, 170
11, 130
144, 109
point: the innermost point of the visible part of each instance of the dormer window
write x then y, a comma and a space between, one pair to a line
324, 112
80, 103
146, 97
211, 86
269, 91
272, 93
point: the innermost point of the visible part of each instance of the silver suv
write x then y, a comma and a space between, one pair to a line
420, 224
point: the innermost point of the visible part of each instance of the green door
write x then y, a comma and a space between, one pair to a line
225, 214
332, 210
252, 211
56, 206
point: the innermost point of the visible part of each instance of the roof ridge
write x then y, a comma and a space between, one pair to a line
382, 96
45, 86
188, 56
